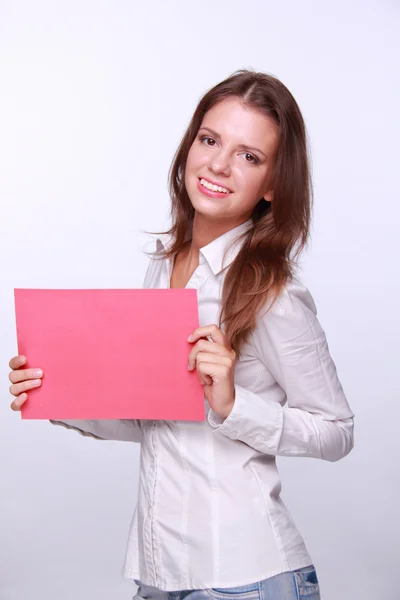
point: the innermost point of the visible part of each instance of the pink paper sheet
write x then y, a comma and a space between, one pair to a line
110, 354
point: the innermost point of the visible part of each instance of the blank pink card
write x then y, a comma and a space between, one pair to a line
110, 354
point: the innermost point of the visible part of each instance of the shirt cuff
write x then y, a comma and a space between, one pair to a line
252, 419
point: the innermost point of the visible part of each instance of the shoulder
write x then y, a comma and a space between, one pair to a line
294, 297
292, 315
153, 250
153, 244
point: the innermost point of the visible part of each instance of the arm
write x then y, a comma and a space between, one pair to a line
316, 420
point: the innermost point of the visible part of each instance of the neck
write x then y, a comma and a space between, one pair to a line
204, 232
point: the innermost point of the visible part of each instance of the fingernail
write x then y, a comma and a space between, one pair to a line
189, 338
37, 373
36, 382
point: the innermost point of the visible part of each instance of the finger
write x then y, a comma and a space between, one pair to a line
204, 346
18, 402
23, 374
213, 359
19, 388
205, 379
213, 370
212, 331
17, 361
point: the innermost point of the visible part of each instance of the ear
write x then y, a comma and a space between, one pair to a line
269, 196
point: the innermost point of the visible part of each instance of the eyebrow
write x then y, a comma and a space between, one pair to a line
218, 137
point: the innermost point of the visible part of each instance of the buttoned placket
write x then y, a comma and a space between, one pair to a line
150, 540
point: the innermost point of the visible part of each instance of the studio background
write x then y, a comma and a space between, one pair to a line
94, 99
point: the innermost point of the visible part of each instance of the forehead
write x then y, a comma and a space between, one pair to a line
232, 119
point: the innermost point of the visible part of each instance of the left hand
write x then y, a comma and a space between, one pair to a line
215, 362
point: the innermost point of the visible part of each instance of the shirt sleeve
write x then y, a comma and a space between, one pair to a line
106, 429
312, 416
123, 430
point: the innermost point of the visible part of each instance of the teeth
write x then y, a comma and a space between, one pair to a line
214, 188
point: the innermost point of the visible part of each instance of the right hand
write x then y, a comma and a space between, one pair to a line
22, 380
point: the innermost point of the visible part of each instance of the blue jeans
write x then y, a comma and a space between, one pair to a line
301, 584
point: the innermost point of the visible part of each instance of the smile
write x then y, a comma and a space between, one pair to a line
212, 189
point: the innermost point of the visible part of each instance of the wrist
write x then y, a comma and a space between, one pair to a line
226, 411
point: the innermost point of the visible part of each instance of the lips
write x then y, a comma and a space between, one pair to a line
216, 183
211, 193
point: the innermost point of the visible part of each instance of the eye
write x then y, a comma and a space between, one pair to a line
253, 159
205, 137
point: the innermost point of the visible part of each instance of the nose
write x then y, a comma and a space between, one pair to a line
219, 163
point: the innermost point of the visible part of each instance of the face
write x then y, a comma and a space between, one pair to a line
234, 149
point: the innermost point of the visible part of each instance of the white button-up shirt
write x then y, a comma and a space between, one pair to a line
209, 512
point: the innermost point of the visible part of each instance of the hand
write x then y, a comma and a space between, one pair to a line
22, 380
215, 362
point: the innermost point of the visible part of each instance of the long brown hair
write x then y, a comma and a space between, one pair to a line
280, 228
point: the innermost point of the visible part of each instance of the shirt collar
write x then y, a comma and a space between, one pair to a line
214, 251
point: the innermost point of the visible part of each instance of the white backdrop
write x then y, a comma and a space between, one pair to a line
94, 97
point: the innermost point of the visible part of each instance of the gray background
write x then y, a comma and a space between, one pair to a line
94, 97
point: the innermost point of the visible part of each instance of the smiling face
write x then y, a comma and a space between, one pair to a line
234, 148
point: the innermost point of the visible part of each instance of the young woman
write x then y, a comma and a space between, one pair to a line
209, 520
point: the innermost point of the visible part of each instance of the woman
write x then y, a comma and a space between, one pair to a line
209, 519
